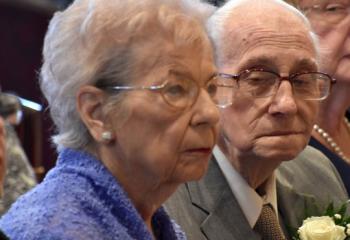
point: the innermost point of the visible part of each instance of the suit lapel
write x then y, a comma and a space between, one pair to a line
225, 218
292, 205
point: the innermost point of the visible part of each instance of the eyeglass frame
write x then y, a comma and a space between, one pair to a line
159, 88
236, 77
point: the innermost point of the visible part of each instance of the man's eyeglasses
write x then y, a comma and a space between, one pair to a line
260, 83
178, 93
328, 13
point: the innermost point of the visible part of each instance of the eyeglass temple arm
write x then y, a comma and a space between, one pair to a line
226, 75
136, 87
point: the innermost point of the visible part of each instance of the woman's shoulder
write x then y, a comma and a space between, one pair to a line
60, 211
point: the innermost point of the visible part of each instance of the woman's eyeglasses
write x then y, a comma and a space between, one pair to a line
178, 92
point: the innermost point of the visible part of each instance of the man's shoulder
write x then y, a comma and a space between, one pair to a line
310, 163
181, 209
207, 209
310, 178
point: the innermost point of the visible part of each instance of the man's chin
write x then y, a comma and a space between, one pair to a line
280, 153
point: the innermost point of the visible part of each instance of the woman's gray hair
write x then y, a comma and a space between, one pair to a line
92, 41
217, 22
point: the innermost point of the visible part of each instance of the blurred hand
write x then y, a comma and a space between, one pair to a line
2, 155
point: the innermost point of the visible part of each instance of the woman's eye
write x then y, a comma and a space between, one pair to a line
176, 90
335, 7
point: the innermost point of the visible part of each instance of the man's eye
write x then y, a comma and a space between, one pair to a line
212, 89
255, 80
301, 82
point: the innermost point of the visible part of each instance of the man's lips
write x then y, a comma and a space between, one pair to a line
281, 133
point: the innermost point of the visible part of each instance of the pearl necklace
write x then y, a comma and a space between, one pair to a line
330, 140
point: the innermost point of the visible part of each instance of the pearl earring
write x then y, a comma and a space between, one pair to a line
107, 136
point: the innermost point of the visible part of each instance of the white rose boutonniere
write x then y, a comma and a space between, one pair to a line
332, 224
321, 228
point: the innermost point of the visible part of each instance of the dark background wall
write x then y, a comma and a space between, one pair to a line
23, 27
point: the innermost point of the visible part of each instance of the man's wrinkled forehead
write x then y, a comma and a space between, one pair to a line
250, 27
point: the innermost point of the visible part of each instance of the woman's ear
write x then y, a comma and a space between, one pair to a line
89, 105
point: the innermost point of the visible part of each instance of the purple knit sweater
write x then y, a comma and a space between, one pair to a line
80, 199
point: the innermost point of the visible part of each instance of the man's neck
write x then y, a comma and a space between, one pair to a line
254, 171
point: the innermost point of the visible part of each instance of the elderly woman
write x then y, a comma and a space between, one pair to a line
130, 86
330, 20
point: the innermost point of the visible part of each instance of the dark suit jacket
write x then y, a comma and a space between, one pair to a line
207, 209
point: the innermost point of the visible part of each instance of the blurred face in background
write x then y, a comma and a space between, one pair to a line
330, 20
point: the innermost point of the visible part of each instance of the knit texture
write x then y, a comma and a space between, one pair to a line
80, 199
267, 225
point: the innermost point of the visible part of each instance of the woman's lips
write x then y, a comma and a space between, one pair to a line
199, 151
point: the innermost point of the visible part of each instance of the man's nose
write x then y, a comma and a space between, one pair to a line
284, 101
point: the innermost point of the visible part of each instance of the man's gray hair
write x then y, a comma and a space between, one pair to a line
92, 41
217, 22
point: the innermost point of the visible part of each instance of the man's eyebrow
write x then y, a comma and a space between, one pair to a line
259, 61
305, 64
270, 63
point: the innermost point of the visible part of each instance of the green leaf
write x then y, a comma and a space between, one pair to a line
330, 210
342, 209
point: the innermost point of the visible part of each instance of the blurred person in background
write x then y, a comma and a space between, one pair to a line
2, 156
131, 87
330, 20
2, 164
19, 176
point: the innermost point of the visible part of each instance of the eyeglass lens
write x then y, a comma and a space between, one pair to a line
181, 93
310, 86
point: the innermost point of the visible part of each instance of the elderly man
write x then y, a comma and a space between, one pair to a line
268, 60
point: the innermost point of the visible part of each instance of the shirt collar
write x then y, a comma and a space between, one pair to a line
249, 201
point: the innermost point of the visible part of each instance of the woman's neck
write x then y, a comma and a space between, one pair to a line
146, 193
331, 129
332, 110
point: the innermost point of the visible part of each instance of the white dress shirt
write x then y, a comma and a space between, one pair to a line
249, 200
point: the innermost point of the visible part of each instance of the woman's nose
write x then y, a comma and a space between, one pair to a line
205, 110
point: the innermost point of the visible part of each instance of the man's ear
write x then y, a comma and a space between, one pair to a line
89, 105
